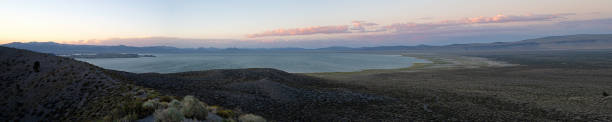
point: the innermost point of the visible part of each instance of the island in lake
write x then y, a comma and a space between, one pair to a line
108, 55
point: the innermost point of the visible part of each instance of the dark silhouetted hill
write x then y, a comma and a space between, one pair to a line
570, 42
56, 48
38, 87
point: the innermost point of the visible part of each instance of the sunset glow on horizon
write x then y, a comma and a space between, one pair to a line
289, 23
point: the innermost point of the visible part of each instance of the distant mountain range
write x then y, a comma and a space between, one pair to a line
570, 42
56, 48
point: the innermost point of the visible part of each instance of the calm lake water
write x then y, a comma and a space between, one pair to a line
290, 62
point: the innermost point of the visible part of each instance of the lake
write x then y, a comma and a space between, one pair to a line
295, 62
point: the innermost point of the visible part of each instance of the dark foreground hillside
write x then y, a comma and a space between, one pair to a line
275, 94
40, 87
566, 89
545, 86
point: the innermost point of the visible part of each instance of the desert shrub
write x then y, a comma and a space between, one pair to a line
228, 120
193, 108
175, 104
152, 104
212, 108
165, 98
135, 107
107, 118
171, 114
226, 113
164, 104
114, 114
154, 94
132, 108
128, 118
251, 118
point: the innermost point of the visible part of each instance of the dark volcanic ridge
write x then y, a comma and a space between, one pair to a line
39, 87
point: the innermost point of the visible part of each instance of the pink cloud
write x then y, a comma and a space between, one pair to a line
473, 20
155, 41
366, 27
302, 31
363, 26
503, 18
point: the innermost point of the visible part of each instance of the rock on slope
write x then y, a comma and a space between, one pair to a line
38, 86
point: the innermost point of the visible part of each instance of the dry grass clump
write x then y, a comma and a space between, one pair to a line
226, 113
129, 111
187, 109
170, 114
251, 118
175, 104
153, 104
165, 98
193, 108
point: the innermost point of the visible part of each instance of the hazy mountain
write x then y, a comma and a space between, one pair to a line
336, 48
56, 48
570, 42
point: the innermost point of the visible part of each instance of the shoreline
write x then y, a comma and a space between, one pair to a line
291, 62
436, 62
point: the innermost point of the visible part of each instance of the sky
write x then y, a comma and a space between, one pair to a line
293, 23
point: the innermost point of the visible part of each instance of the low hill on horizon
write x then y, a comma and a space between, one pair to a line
567, 42
570, 42
57, 48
